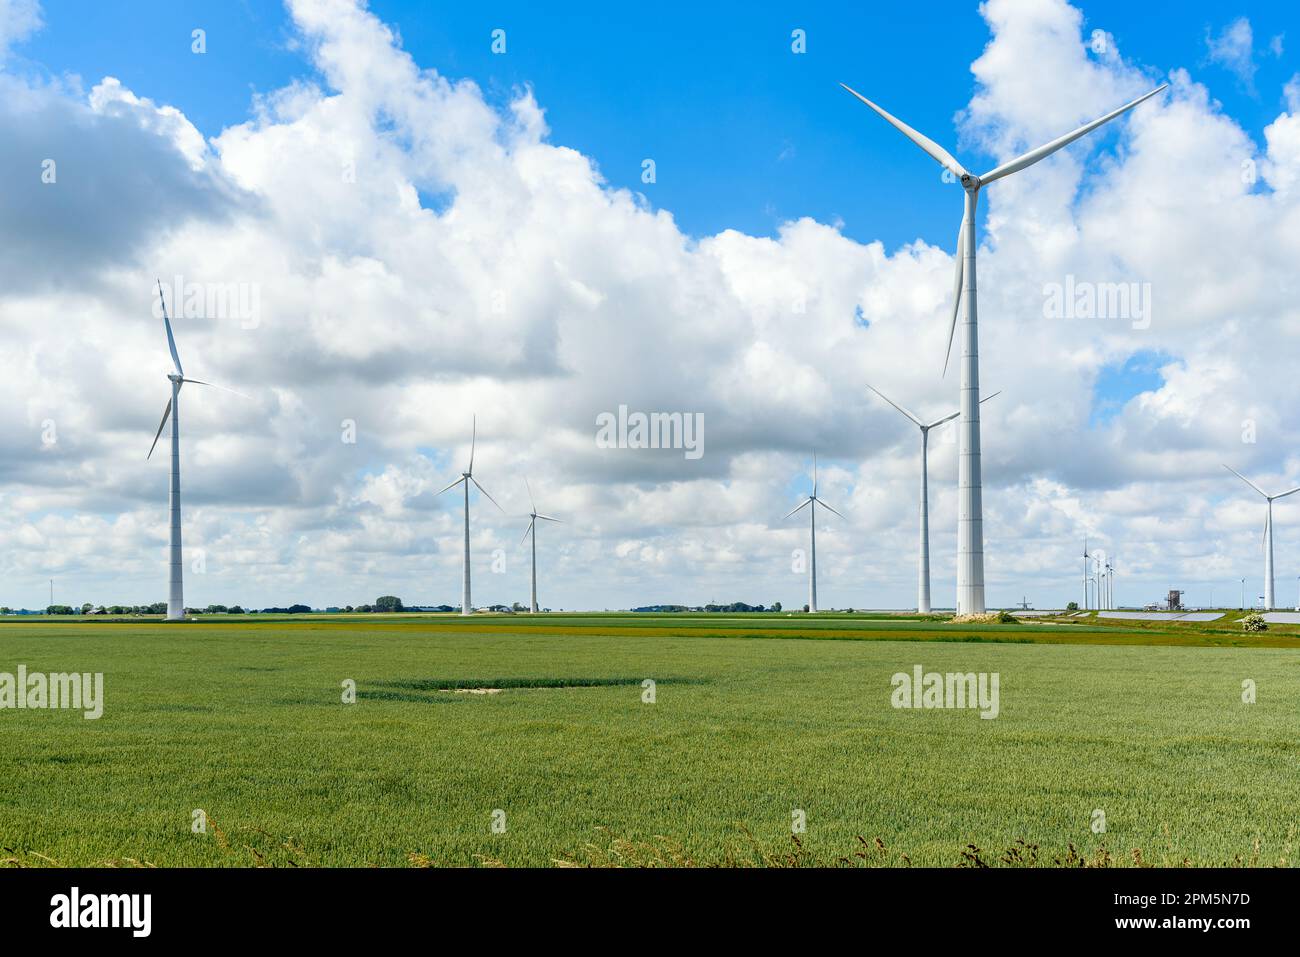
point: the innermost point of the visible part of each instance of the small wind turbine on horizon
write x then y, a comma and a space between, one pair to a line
923, 565
970, 509
175, 583
466, 477
533, 516
1268, 534
811, 503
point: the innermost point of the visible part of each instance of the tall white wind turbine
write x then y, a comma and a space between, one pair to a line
970, 511
533, 516
1268, 534
811, 503
923, 564
466, 477
175, 583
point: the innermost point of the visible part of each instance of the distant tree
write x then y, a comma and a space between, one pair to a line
805, 607
236, 610
388, 603
776, 606
59, 610
1072, 606
348, 609
86, 608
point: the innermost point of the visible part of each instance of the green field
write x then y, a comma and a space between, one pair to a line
243, 719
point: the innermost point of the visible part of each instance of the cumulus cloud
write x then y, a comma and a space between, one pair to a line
417, 256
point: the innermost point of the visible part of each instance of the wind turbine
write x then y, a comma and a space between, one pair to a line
1103, 587
923, 565
1268, 534
175, 584
1086, 558
533, 516
813, 501
970, 511
466, 477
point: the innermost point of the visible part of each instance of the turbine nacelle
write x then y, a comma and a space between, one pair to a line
969, 181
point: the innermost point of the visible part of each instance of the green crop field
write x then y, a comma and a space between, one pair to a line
244, 719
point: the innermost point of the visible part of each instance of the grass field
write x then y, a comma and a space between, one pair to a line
244, 719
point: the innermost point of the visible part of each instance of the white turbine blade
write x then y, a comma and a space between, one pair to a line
485, 492
895, 405
473, 440
548, 518
946, 418
171, 341
526, 531
803, 504
1047, 149
213, 385
1246, 480
166, 412
1285, 494
1268, 521
959, 272
824, 505
451, 486
531, 503
949, 418
814, 494
936, 152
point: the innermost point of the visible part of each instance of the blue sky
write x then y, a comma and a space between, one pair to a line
744, 133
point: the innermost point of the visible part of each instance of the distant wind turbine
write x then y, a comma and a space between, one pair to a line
175, 585
923, 565
811, 503
533, 516
1268, 534
466, 477
970, 510
1086, 579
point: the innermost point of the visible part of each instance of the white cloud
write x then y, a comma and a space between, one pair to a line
1233, 48
533, 293
19, 19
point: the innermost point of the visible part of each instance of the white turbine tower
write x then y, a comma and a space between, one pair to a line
533, 516
175, 584
466, 477
811, 502
1268, 534
970, 511
923, 564
1099, 560
1086, 579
